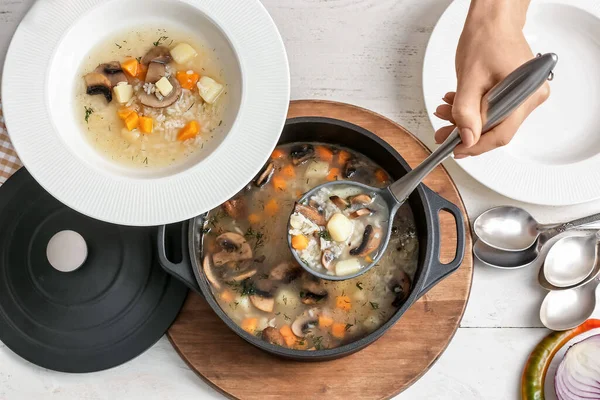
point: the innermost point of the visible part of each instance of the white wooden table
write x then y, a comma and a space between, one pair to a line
369, 53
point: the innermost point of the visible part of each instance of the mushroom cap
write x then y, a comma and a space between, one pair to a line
342, 204
312, 291
155, 72
285, 272
302, 153
158, 54
207, 266
362, 199
362, 212
370, 241
235, 208
311, 213
97, 83
263, 303
113, 72
150, 100
327, 259
265, 174
273, 336
234, 248
304, 324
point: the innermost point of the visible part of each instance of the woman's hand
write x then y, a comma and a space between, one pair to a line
491, 46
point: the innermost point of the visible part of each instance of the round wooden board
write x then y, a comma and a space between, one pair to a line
382, 370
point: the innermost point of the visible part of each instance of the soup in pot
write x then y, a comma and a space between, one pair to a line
255, 278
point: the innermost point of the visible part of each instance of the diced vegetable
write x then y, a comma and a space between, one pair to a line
324, 153
334, 174
277, 154
343, 157
187, 79
146, 124
272, 207
130, 136
339, 227
209, 89
164, 86
250, 324
131, 121
347, 267
299, 242
325, 322
343, 303
141, 72
227, 296
381, 175
289, 171
130, 66
338, 330
288, 335
189, 131
254, 219
279, 183
183, 53
317, 170
124, 112
123, 92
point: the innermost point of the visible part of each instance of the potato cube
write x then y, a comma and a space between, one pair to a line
347, 267
183, 53
209, 89
123, 92
164, 86
339, 227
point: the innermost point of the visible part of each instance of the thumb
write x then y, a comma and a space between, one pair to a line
466, 110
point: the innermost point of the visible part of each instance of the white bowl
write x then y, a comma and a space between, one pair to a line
38, 89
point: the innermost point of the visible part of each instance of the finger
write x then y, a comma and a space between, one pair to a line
444, 112
449, 97
466, 109
502, 134
443, 133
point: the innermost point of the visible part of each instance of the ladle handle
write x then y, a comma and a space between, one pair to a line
496, 106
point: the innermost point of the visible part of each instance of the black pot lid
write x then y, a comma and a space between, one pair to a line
112, 308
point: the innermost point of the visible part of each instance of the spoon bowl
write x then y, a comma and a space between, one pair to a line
506, 259
567, 309
571, 260
507, 228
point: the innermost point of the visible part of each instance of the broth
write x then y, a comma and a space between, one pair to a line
105, 124
257, 282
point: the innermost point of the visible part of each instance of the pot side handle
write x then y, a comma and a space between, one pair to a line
182, 271
439, 271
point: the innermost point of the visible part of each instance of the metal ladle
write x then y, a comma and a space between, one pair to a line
497, 105
514, 229
567, 309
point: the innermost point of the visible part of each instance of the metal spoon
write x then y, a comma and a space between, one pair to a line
497, 105
520, 259
514, 229
568, 309
570, 260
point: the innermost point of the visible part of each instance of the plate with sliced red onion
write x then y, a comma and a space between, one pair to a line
565, 365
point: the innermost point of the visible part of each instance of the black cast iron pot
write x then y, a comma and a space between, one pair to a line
425, 205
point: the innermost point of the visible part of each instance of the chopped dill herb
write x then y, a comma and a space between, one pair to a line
191, 106
220, 122
259, 236
145, 160
318, 342
139, 59
375, 306
325, 235
206, 230
88, 111
284, 299
118, 45
286, 317
160, 40
348, 326
359, 286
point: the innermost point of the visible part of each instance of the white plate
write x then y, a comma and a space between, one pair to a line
38, 93
554, 158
